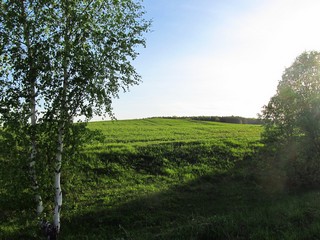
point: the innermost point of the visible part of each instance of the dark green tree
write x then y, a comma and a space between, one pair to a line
59, 60
292, 121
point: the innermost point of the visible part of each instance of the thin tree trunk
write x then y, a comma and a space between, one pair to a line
57, 183
63, 118
31, 78
58, 163
32, 164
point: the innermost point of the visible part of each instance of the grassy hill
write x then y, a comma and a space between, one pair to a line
159, 130
172, 179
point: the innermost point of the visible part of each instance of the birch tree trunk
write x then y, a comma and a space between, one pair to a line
58, 163
57, 183
66, 59
31, 78
32, 164
63, 118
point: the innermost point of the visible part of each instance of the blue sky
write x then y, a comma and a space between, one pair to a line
217, 57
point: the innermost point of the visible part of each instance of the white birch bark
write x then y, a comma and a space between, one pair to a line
57, 184
35, 185
33, 175
62, 120
33, 118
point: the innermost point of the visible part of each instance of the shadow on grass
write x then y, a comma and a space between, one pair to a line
211, 207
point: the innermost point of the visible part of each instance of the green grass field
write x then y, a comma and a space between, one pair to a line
172, 179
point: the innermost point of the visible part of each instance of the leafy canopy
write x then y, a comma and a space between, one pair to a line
91, 44
292, 119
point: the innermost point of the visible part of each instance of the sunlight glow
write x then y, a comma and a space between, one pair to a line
227, 60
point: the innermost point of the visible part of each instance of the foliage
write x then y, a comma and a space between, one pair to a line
15, 180
292, 130
59, 60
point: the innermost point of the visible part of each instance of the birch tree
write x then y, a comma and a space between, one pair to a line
22, 61
63, 59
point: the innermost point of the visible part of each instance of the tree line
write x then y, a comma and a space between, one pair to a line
223, 119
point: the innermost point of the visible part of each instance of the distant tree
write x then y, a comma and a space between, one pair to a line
292, 121
61, 59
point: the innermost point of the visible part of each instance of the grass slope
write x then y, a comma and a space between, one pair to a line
173, 179
157, 130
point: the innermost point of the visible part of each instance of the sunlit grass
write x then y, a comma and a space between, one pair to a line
167, 130
173, 179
